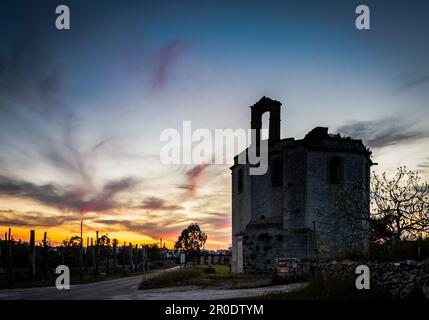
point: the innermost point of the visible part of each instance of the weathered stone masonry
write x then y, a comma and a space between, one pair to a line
273, 215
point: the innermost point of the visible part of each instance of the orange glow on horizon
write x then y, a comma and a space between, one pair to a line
56, 235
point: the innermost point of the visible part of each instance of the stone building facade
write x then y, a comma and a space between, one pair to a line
283, 213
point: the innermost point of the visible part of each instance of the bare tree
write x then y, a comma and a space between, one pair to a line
399, 209
400, 205
346, 223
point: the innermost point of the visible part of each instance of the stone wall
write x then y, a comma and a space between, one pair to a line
263, 245
403, 280
322, 196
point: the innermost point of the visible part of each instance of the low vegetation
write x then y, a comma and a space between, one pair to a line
206, 276
329, 289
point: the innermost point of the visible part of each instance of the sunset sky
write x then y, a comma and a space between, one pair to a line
82, 110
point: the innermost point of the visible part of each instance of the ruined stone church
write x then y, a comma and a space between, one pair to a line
277, 214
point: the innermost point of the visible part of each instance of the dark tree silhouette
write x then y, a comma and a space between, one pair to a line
191, 240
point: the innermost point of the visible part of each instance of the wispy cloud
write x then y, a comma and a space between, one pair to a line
167, 56
382, 133
424, 165
155, 203
33, 219
412, 80
153, 229
76, 200
194, 178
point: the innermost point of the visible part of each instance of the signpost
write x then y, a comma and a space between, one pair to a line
182, 260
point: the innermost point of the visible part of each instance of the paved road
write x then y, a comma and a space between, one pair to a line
119, 289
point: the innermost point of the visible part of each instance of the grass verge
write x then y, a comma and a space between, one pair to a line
205, 276
329, 289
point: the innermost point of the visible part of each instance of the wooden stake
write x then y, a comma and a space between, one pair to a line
81, 251
115, 243
32, 258
45, 257
123, 258
144, 259
136, 257
131, 257
87, 255
107, 259
92, 255
97, 255
9, 256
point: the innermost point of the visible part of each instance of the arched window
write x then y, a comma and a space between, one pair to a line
336, 170
277, 172
240, 180
265, 121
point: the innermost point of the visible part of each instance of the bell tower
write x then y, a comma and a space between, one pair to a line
258, 109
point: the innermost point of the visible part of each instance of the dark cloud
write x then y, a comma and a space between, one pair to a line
120, 185
78, 200
413, 80
21, 78
50, 83
32, 219
167, 56
154, 203
154, 230
382, 133
100, 144
424, 165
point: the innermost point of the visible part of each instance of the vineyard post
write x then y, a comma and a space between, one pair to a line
92, 256
45, 257
87, 255
81, 252
9, 255
143, 258
32, 257
115, 242
97, 254
130, 257
123, 258
136, 259
107, 258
